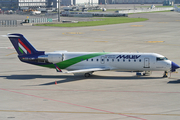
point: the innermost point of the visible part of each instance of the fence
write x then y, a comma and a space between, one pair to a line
40, 20
8, 23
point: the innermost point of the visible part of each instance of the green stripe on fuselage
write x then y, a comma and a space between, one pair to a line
66, 63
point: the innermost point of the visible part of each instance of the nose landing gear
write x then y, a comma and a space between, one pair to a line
165, 74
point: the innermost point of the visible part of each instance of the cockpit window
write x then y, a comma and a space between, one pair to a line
161, 58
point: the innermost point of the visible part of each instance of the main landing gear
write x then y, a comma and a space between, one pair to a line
88, 74
165, 74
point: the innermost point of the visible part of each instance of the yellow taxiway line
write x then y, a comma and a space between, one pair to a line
11, 53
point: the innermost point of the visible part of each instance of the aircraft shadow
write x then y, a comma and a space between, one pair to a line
174, 82
68, 78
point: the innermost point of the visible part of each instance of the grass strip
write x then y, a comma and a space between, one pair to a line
101, 21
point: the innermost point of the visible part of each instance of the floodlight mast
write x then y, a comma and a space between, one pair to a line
59, 11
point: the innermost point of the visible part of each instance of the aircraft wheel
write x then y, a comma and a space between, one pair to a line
86, 74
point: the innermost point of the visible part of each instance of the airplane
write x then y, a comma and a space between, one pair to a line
176, 8
88, 62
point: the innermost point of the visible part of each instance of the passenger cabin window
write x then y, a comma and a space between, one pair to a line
161, 58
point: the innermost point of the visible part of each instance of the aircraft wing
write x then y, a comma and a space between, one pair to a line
88, 70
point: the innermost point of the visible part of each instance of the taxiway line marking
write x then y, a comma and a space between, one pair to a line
100, 41
11, 53
88, 112
96, 91
72, 104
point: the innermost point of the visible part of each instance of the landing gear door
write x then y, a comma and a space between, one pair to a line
146, 63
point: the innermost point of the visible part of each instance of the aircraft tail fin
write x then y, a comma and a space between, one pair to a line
22, 46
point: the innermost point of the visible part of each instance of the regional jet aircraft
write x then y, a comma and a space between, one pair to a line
88, 62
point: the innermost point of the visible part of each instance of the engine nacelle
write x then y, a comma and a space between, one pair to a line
55, 58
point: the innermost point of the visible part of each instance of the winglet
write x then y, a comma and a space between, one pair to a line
57, 68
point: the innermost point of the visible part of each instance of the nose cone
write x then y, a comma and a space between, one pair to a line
174, 66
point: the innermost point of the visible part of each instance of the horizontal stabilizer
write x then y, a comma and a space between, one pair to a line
57, 68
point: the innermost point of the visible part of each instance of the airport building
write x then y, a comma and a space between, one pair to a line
26, 4
18, 4
32, 3
79, 2
8, 4
134, 1
177, 1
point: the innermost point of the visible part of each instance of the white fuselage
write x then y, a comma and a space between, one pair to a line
118, 61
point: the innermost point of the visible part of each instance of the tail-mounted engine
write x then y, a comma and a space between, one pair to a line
50, 58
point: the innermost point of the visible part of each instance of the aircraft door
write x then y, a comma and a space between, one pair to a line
146, 63
102, 60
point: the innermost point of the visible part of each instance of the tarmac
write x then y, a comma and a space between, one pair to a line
29, 92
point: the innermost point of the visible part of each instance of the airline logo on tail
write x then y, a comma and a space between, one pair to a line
23, 48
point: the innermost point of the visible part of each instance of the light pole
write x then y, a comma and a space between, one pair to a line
59, 11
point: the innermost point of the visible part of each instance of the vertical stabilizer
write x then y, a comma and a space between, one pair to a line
21, 44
